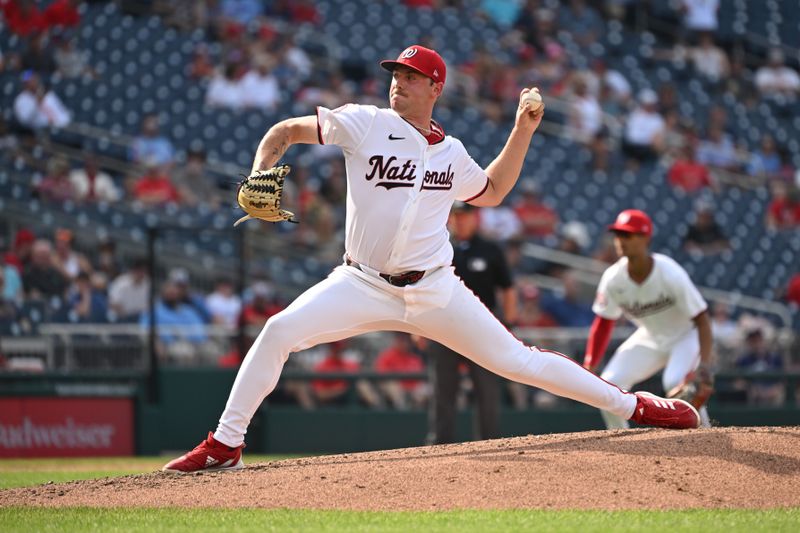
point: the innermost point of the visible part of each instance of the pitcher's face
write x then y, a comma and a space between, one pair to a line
411, 90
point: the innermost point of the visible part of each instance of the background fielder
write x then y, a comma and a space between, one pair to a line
657, 295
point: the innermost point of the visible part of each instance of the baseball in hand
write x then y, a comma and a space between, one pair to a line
534, 101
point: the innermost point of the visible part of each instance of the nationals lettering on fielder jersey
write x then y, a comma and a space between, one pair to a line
663, 305
399, 188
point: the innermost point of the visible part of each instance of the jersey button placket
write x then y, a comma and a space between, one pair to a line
416, 195
410, 212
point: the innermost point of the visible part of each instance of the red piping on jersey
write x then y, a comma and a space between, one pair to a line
436, 135
597, 343
480, 193
319, 128
571, 360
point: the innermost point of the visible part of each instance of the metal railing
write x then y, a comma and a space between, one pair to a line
82, 347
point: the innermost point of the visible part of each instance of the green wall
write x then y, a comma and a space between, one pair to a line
191, 400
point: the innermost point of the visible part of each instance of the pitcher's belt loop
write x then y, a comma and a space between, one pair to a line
398, 280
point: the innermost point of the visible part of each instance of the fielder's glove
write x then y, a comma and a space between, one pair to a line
259, 195
696, 388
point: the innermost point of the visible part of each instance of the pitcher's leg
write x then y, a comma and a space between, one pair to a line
336, 308
613, 421
631, 364
467, 327
445, 380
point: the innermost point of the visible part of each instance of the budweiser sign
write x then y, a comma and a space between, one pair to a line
65, 436
53, 427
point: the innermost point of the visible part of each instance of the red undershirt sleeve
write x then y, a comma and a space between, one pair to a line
596, 345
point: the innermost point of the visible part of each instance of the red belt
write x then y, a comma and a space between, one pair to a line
398, 280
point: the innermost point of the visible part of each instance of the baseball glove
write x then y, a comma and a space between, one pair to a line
696, 388
259, 195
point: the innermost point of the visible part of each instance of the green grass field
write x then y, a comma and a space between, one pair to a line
18, 473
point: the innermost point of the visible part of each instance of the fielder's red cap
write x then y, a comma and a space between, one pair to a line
633, 221
423, 60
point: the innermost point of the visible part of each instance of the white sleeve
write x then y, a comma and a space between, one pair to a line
56, 111
472, 179
114, 290
604, 305
105, 185
763, 79
793, 79
688, 297
25, 109
345, 126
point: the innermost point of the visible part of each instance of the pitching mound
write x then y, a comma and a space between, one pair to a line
652, 469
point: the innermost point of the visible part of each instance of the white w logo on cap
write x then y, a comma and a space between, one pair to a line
410, 52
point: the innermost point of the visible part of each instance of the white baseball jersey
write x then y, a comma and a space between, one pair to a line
400, 188
663, 305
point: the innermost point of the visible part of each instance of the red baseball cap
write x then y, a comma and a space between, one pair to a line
633, 221
423, 60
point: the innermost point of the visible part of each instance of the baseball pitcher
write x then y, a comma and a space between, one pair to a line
403, 175
674, 331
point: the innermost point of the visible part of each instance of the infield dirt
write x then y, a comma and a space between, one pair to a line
638, 469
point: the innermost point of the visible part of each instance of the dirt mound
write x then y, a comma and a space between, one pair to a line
653, 469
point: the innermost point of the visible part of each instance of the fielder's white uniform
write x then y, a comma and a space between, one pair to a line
662, 307
400, 191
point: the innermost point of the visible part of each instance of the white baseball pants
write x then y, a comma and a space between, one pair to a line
636, 360
440, 307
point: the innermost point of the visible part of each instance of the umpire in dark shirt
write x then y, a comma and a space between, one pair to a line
483, 268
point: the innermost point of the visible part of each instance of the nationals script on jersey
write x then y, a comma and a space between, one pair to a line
663, 305
399, 188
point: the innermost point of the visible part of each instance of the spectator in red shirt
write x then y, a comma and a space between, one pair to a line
23, 17
688, 174
793, 290
784, 210
421, 3
399, 357
304, 11
63, 13
19, 255
538, 219
336, 391
261, 307
154, 187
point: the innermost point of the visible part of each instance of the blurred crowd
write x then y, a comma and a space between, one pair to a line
251, 60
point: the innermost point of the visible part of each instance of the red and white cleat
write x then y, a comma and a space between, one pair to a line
207, 456
652, 410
